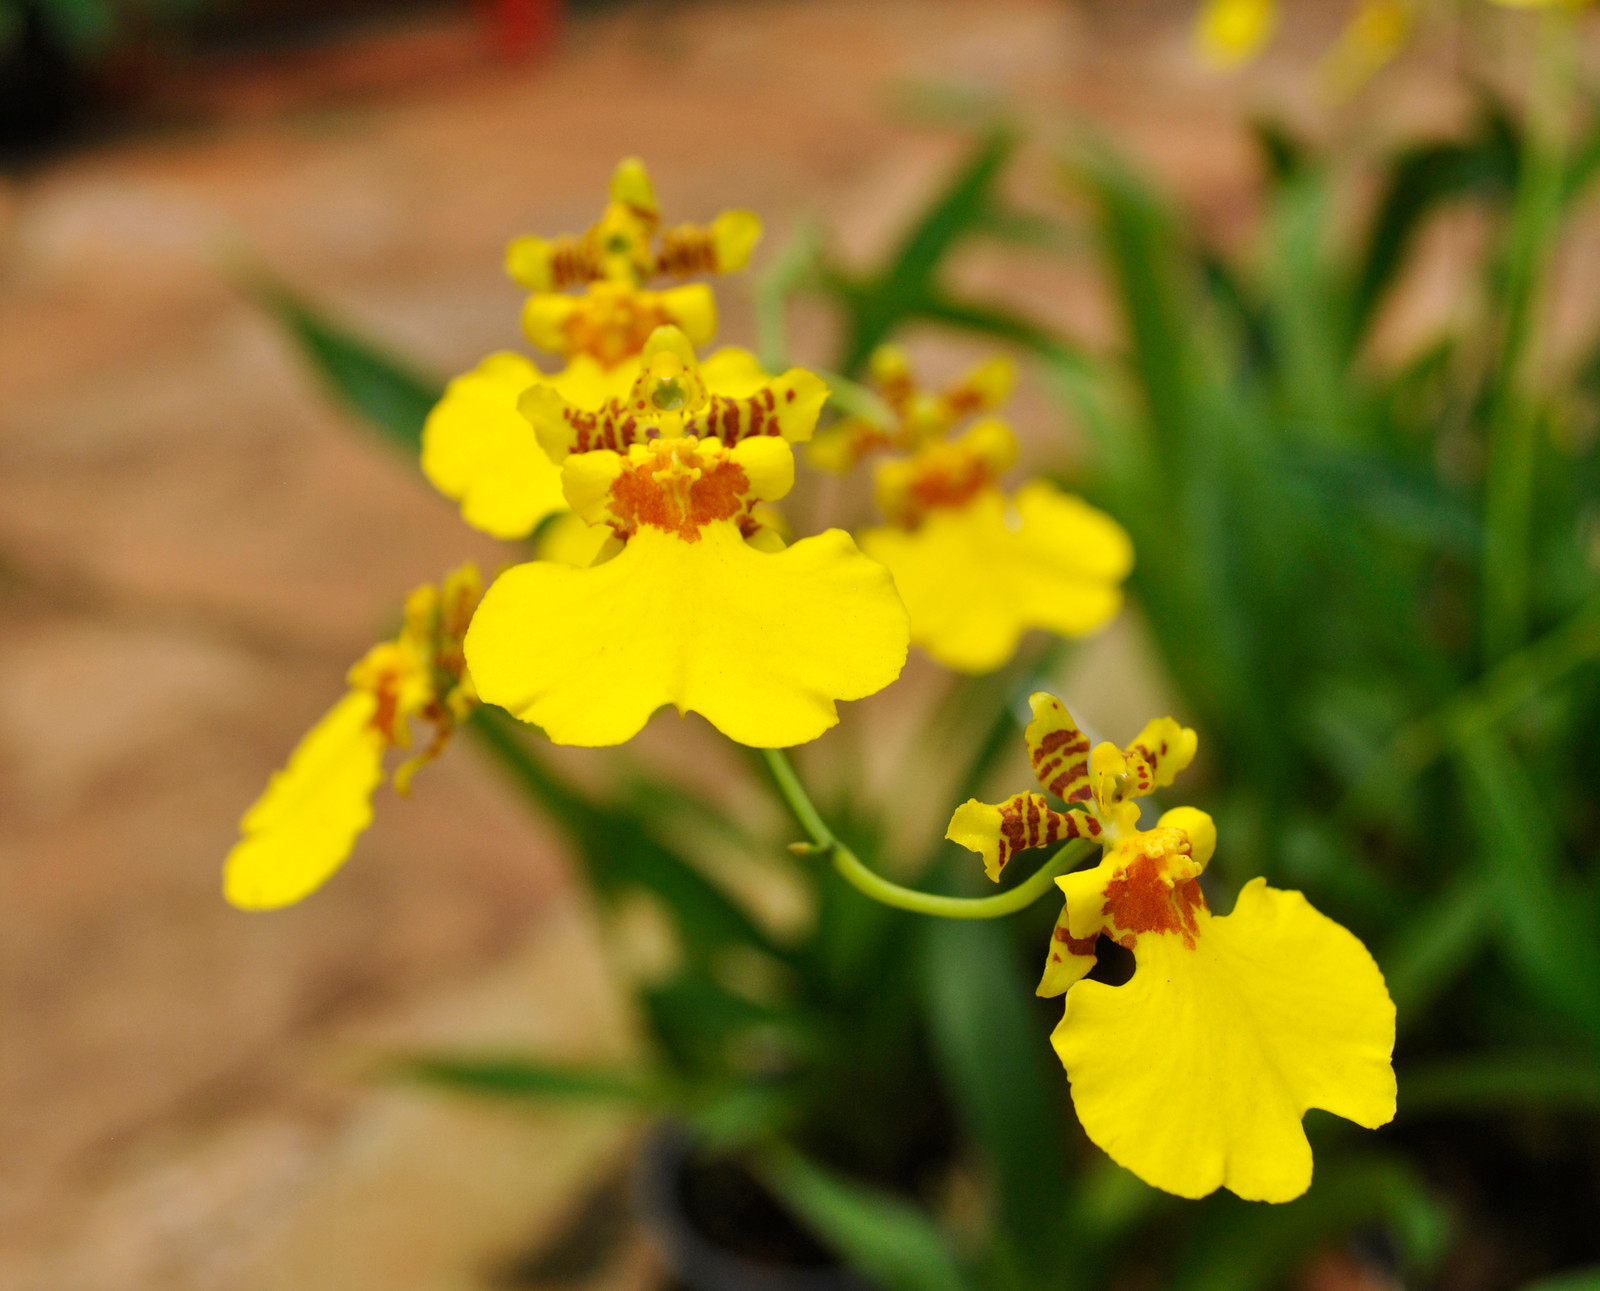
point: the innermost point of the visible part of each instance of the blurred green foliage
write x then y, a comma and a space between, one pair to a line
1389, 651
87, 30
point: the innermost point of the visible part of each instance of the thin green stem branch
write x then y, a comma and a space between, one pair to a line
854, 872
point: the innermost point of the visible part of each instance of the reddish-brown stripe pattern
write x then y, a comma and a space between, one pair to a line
731, 420
1028, 820
573, 261
686, 250
614, 426
1061, 763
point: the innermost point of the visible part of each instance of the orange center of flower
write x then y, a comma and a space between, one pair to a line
947, 476
681, 487
1157, 890
612, 326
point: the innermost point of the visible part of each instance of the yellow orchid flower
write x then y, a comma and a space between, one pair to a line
1377, 32
611, 321
977, 568
1230, 33
692, 599
304, 825
923, 417
624, 246
476, 447
1195, 1074
480, 450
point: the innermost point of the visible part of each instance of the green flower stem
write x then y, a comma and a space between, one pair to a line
855, 873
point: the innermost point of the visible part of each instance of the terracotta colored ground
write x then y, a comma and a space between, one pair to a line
194, 545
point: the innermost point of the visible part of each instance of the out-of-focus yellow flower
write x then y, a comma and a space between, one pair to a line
476, 447
922, 417
611, 321
1377, 32
302, 828
975, 567
1230, 33
628, 244
626, 248
480, 450
692, 600
1195, 1074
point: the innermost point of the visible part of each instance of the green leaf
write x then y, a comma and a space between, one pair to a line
697, 1022
1001, 325
510, 1077
1437, 945
878, 306
1306, 316
1548, 927
1420, 181
382, 389
1110, 1203
1140, 241
1247, 1246
13, 22
1493, 1084
1007, 1086
1479, 709
86, 27
1285, 155
1578, 1280
792, 268
618, 849
888, 1239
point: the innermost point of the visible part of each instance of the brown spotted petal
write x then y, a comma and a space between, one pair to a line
1057, 749
1022, 821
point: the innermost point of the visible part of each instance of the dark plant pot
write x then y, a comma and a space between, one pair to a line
720, 1230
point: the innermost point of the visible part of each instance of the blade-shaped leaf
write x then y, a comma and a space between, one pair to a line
384, 390
1246, 1247
1436, 945
1008, 1089
876, 307
512, 1077
617, 848
1548, 928
1578, 1280
890, 1240
1420, 181
1491, 1084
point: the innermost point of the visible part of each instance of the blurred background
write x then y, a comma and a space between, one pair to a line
195, 542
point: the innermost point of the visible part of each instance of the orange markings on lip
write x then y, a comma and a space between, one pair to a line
678, 491
1144, 898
